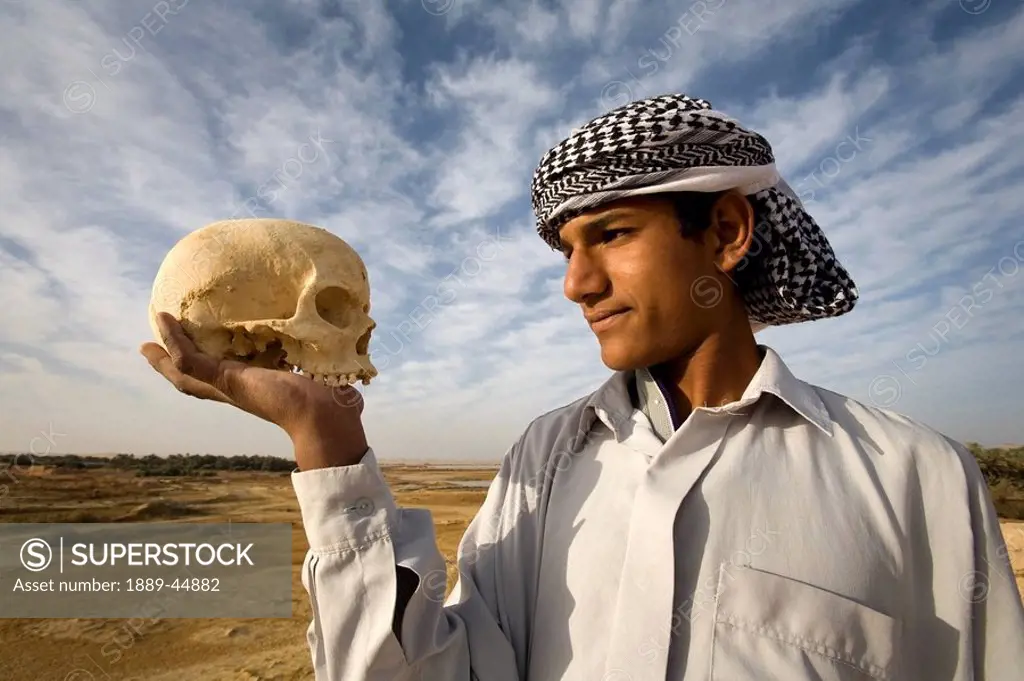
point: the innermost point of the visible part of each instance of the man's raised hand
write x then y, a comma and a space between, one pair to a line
324, 423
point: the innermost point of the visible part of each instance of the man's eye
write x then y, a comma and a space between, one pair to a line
612, 234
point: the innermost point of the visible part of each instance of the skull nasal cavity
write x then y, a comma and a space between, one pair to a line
363, 344
336, 306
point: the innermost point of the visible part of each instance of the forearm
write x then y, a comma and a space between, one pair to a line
371, 573
316, 449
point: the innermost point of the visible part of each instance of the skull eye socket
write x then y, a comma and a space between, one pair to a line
337, 307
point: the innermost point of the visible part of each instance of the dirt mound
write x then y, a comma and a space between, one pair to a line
94, 630
228, 498
38, 471
159, 510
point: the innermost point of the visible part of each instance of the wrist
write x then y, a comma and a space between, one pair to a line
327, 445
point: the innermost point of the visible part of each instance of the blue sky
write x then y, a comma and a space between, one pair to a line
412, 133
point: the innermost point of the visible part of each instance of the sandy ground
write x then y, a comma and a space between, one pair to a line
211, 650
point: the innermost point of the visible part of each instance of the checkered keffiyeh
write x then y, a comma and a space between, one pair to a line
676, 143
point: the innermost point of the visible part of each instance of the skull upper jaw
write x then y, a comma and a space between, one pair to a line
319, 351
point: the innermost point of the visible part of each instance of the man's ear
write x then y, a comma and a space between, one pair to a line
733, 227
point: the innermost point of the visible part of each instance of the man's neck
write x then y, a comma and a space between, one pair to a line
716, 373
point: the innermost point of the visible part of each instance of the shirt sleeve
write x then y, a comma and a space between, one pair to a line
998, 613
357, 537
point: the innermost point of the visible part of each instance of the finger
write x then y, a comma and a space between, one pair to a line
162, 363
184, 355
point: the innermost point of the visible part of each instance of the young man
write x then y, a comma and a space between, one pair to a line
704, 514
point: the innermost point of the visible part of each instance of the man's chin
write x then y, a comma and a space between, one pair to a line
618, 358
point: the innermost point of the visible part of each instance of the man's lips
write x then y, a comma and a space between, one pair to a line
604, 317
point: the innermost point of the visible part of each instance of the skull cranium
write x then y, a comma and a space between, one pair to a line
268, 290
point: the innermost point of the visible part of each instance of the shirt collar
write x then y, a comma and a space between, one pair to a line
614, 402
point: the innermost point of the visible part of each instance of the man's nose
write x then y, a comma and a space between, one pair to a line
584, 278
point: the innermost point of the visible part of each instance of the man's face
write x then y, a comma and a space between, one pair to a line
629, 259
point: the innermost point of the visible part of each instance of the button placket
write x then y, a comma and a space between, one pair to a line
645, 601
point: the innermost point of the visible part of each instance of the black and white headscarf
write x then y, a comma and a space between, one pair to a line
673, 143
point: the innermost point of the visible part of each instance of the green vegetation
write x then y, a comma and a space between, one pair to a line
175, 465
1003, 468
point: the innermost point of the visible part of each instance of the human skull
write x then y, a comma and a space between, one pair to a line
250, 290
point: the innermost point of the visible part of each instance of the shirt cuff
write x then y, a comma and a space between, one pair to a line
345, 507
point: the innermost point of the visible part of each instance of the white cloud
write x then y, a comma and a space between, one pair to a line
804, 129
495, 103
419, 153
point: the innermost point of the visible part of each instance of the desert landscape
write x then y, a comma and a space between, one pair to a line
211, 649
193, 649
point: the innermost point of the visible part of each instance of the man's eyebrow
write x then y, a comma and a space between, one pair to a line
606, 220
601, 222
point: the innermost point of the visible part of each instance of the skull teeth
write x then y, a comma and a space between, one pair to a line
332, 380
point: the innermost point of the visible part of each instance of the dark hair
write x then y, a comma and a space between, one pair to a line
693, 211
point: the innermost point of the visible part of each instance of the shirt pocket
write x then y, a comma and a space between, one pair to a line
772, 627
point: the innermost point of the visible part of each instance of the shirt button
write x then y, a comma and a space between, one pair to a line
363, 507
